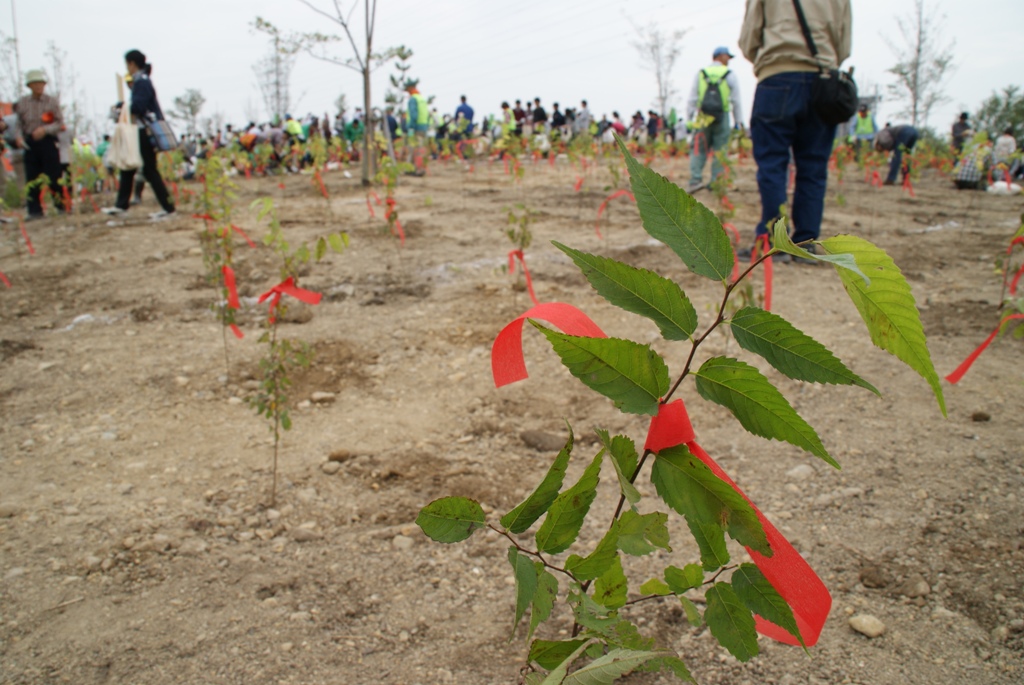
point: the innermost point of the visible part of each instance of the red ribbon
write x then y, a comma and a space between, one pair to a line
762, 242
786, 570
3, 279
174, 188
229, 283
1016, 280
398, 224
518, 254
24, 234
1019, 240
288, 287
604, 205
579, 184
908, 186
248, 172
240, 232
876, 179
233, 303
67, 199
280, 186
320, 182
369, 206
728, 204
965, 366
84, 194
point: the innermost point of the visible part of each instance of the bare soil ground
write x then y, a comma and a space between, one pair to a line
136, 540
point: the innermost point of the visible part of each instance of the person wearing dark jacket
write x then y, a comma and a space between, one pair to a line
896, 139
144, 107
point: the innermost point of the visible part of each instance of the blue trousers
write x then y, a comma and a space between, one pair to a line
906, 139
783, 122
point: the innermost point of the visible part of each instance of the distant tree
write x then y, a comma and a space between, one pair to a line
274, 72
11, 87
340, 105
62, 83
923, 63
396, 96
187, 108
1001, 110
658, 52
363, 60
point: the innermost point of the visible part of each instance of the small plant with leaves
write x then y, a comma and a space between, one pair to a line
283, 355
518, 232
596, 585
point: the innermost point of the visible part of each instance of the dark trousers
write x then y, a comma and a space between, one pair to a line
784, 120
43, 157
906, 139
149, 172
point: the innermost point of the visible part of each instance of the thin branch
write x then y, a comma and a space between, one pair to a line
530, 551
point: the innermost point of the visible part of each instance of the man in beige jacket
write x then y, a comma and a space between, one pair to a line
783, 118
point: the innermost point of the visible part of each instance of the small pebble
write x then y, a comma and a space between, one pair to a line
330, 467
801, 472
322, 397
867, 625
403, 543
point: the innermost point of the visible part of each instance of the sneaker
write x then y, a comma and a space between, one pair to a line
887, 182
157, 216
33, 217
112, 211
693, 186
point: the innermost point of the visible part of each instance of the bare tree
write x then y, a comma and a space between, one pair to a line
923, 63
363, 60
658, 52
11, 86
274, 72
187, 108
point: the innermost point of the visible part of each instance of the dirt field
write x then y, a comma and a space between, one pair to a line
138, 547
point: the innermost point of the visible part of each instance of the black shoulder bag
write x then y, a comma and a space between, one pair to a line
835, 92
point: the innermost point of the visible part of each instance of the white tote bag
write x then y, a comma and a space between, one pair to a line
124, 147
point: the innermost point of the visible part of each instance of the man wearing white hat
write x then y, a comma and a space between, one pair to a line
39, 122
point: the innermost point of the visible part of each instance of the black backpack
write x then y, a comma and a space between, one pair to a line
712, 104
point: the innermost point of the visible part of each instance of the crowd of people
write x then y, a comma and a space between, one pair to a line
789, 43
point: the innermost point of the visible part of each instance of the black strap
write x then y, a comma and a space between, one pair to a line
806, 29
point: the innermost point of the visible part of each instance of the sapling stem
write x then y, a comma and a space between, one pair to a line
530, 552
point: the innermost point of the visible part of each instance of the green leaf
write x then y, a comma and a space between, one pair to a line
730, 622
685, 578
633, 376
526, 514
526, 583
678, 220
624, 458
638, 291
591, 615
789, 350
763, 599
451, 519
783, 243
550, 653
757, 404
655, 586
598, 561
557, 675
543, 598
640, 534
337, 241
710, 505
693, 616
673, 664
565, 517
611, 666
321, 248
887, 307
611, 589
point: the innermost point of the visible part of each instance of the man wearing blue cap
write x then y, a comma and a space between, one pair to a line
715, 94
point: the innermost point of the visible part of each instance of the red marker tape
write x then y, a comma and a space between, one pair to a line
604, 205
24, 234
229, 284
240, 232
762, 242
288, 287
518, 254
579, 184
965, 366
786, 570
3, 279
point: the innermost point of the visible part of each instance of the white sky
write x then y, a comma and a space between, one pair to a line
559, 50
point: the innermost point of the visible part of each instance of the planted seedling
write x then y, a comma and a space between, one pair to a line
596, 584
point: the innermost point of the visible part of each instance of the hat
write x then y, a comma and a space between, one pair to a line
35, 76
863, 107
722, 50
410, 83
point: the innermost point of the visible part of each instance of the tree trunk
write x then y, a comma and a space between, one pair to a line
368, 127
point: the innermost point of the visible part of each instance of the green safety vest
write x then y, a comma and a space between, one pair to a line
715, 72
865, 126
422, 113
